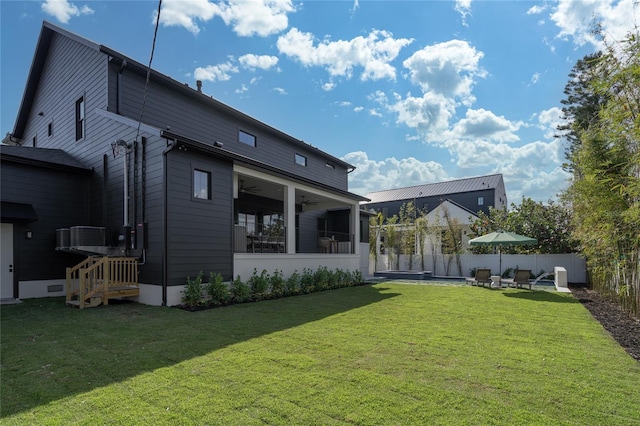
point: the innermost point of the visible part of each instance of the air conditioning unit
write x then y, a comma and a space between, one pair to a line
63, 238
87, 236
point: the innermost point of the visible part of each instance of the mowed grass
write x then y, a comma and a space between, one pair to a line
391, 353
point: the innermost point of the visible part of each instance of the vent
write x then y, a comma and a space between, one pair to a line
63, 238
87, 236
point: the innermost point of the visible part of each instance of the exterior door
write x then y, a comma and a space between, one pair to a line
6, 260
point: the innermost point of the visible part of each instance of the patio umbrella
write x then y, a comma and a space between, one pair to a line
501, 238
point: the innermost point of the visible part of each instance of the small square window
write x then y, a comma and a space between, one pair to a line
481, 201
246, 138
301, 160
201, 184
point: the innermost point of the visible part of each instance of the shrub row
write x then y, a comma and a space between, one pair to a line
216, 292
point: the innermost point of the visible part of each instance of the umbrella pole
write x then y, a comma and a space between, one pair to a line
500, 260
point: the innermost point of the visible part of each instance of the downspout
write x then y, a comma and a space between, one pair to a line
165, 226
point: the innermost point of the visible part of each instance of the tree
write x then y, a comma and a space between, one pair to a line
407, 237
392, 241
605, 191
549, 223
581, 106
375, 230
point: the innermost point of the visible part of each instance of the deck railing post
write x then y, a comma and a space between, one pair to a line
105, 280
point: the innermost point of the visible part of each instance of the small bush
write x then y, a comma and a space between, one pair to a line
307, 281
192, 293
293, 283
259, 284
277, 284
240, 291
217, 290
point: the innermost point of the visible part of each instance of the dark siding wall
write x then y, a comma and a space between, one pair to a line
72, 70
197, 120
60, 200
199, 231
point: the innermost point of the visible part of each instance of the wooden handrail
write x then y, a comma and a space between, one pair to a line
98, 275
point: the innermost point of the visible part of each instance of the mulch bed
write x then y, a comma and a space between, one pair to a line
625, 330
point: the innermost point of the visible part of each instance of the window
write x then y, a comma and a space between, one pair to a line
425, 207
246, 138
33, 142
80, 118
481, 201
50, 129
385, 211
201, 185
301, 160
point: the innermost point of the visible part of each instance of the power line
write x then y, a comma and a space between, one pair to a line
146, 84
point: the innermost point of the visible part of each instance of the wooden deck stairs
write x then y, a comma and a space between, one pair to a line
97, 279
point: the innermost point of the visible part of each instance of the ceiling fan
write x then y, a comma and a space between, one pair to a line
307, 202
248, 189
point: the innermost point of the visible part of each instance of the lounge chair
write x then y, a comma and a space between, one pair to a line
482, 276
520, 279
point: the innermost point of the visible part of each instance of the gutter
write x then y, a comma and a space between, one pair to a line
165, 226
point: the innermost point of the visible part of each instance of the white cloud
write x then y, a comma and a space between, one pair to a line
221, 72
536, 9
375, 113
575, 19
372, 53
327, 87
429, 114
63, 11
483, 124
280, 90
371, 175
358, 109
549, 120
247, 18
463, 7
447, 68
535, 78
253, 62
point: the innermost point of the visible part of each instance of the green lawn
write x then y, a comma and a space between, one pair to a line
390, 353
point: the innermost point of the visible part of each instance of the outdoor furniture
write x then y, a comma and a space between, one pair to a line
520, 279
482, 276
324, 243
496, 281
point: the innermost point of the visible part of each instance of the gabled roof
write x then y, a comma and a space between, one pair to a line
455, 210
438, 189
43, 157
37, 66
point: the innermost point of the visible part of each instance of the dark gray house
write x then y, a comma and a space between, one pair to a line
473, 194
195, 185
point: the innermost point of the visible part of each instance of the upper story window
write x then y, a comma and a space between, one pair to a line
301, 160
201, 184
481, 201
246, 138
385, 211
80, 118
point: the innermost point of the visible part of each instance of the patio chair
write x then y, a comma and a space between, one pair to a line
324, 243
520, 279
482, 276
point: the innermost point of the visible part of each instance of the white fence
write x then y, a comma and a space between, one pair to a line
445, 265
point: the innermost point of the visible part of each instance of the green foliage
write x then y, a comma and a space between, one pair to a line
192, 293
307, 281
217, 289
293, 283
549, 223
605, 191
276, 281
259, 284
240, 291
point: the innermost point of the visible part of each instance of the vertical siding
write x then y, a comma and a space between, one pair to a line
60, 200
199, 232
200, 121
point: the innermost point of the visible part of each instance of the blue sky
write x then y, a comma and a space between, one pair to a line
410, 92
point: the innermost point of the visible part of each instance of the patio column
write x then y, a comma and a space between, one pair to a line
355, 227
290, 217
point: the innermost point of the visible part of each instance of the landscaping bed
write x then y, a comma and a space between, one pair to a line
625, 330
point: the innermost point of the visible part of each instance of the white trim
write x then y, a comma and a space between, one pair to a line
128, 122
